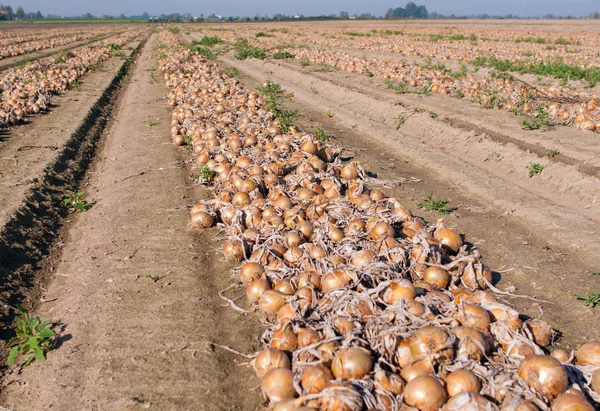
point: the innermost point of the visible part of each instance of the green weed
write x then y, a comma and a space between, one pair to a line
231, 71
208, 41
553, 153
76, 201
534, 168
33, 340
429, 204
590, 299
205, 176
321, 133
283, 55
272, 94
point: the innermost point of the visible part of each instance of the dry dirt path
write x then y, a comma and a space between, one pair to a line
134, 288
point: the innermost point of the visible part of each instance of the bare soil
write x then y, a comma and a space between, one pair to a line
38, 162
539, 239
134, 289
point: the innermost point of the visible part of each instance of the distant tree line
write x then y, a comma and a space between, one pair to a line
411, 11
7, 13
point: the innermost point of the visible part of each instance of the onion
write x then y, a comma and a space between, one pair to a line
436, 276
544, 374
307, 336
339, 396
343, 325
234, 249
382, 230
240, 199
571, 402
474, 316
317, 252
286, 313
285, 287
271, 301
256, 288
595, 385
431, 340
314, 379
417, 369
250, 272
269, 358
362, 258
335, 280
349, 171
335, 234
353, 362
588, 354
425, 393
201, 219
285, 339
541, 331
561, 354
476, 276
390, 382
449, 238
278, 384
309, 278
468, 401
461, 381
398, 290
471, 343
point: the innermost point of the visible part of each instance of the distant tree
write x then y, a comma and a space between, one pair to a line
344, 15
365, 16
595, 15
87, 16
39, 15
20, 12
411, 9
10, 12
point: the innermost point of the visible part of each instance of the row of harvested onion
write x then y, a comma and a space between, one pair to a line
368, 307
28, 90
563, 106
502, 93
13, 47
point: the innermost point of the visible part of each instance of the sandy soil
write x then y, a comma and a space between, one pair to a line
134, 289
38, 162
529, 227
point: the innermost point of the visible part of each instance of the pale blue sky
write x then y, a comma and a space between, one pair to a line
306, 7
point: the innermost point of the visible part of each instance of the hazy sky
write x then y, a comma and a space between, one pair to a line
306, 7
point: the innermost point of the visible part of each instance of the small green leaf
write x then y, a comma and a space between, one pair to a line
39, 355
34, 342
12, 355
46, 333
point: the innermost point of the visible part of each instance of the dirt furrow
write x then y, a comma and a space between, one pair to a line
134, 289
547, 250
39, 161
